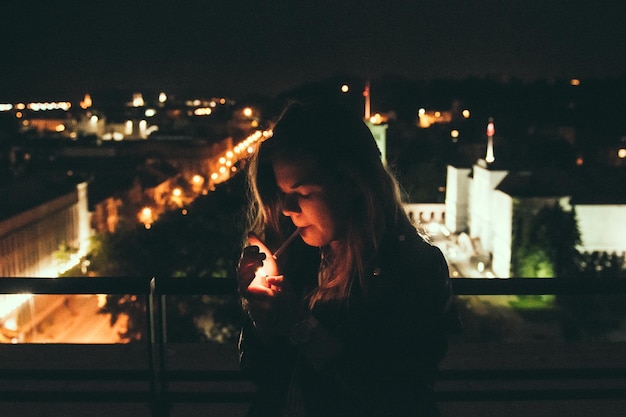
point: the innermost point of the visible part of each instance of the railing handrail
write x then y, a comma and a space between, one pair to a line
222, 286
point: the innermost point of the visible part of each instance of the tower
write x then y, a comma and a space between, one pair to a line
491, 131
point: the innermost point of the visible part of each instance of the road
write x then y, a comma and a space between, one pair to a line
77, 321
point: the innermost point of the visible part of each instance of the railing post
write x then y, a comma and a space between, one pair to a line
159, 402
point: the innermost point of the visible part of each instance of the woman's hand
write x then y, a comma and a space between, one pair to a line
268, 298
256, 265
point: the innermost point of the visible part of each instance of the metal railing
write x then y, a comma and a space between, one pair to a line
152, 385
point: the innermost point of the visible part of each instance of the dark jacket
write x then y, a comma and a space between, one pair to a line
386, 343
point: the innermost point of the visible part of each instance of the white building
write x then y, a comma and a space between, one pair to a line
40, 216
481, 201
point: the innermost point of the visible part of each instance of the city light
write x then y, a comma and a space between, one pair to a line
203, 111
138, 100
345, 88
9, 302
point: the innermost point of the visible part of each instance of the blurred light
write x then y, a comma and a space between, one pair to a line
128, 127
203, 111
18, 114
454, 133
575, 82
150, 112
580, 161
466, 114
177, 192
162, 98
345, 88
138, 100
376, 119
86, 102
621, 153
60, 128
247, 112
491, 128
10, 302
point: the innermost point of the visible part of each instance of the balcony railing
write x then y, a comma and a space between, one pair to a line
157, 377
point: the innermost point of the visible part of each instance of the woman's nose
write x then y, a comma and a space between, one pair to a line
290, 205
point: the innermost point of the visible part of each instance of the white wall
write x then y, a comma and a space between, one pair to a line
602, 227
501, 228
457, 198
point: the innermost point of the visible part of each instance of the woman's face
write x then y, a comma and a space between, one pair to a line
312, 201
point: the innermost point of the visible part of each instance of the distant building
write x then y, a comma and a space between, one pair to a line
39, 217
481, 201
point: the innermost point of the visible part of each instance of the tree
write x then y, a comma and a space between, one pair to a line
544, 242
202, 241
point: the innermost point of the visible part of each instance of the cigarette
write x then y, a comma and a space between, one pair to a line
286, 243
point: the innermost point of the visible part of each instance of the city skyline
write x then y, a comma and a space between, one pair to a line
247, 48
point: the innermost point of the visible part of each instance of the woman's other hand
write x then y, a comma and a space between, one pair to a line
255, 266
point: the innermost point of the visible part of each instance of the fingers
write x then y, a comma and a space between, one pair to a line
269, 264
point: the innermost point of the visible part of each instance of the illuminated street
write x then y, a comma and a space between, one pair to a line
77, 321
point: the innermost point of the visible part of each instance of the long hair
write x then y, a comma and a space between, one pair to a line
340, 143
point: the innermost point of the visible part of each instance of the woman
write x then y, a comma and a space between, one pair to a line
351, 318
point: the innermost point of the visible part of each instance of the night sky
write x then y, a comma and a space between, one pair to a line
230, 47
